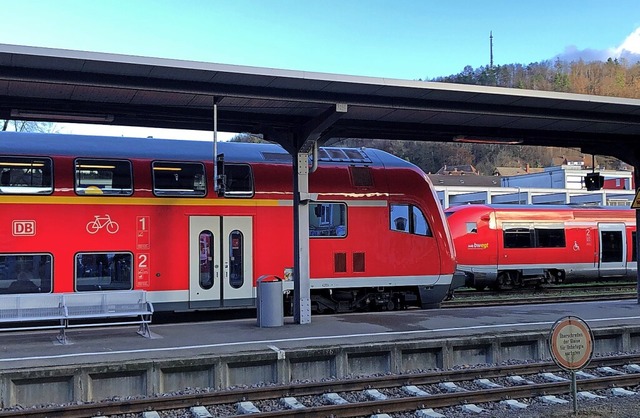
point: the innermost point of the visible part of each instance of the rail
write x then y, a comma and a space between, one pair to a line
22, 312
174, 404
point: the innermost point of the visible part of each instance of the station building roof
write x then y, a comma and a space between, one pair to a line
58, 85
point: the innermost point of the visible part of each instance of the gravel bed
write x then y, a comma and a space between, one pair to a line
610, 407
619, 407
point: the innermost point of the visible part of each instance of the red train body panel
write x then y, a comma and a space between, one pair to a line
505, 246
81, 214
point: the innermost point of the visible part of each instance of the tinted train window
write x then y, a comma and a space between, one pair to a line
549, 236
103, 177
206, 260
517, 237
400, 218
534, 236
236, 259
419, 222
408, 218
103, 271
178, 179
327, 220
25, 273
611, 242
238, 180
20, 175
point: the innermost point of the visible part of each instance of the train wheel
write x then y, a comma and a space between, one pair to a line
395, 303
503, 281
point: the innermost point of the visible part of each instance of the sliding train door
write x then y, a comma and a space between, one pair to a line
220, 261
613, 246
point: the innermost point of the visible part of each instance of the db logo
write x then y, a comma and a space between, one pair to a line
24, 228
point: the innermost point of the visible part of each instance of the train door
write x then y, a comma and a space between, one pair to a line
613, 243
220, 261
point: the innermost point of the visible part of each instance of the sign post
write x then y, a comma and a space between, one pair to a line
571, 346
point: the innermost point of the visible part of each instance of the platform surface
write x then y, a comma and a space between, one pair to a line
190, 340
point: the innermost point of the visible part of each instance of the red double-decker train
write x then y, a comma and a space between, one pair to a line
86, 214
503, 246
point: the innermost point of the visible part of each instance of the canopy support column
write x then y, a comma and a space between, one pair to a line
303, 144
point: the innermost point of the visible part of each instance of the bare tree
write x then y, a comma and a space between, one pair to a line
27, 126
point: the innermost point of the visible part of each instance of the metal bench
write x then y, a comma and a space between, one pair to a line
107, 305
90, 309
45, 310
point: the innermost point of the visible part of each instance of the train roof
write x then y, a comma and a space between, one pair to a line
42, 144
513, 207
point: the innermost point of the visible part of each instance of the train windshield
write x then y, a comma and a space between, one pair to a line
408, 218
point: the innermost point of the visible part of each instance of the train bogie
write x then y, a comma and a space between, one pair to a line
522, 245
85, 214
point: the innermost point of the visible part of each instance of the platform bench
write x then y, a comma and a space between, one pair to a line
74, 310
32, 311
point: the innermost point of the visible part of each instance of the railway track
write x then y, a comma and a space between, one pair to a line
481, 387
553, 294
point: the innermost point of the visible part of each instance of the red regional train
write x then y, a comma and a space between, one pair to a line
86, 214
506, 246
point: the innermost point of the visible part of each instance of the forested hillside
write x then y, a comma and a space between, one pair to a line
611, 78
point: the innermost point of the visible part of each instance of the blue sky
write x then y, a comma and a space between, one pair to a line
405, 39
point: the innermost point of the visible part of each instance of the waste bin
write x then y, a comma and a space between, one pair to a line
270, 304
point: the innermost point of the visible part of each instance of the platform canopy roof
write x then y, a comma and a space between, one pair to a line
65, 85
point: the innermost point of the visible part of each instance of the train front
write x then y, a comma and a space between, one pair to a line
475, 244
419, 243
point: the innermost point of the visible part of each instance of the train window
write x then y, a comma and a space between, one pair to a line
611, 246
419, 222
25, 273
472, 228
206, 259
103, 271
401, 221
400, 218
337, 154
549, 236
103, 177
236, 259
238, 180
178, 179
533, 235
634, 245
327, 220
25, 175
517, 236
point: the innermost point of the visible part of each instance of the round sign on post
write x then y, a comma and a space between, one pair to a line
571, 343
